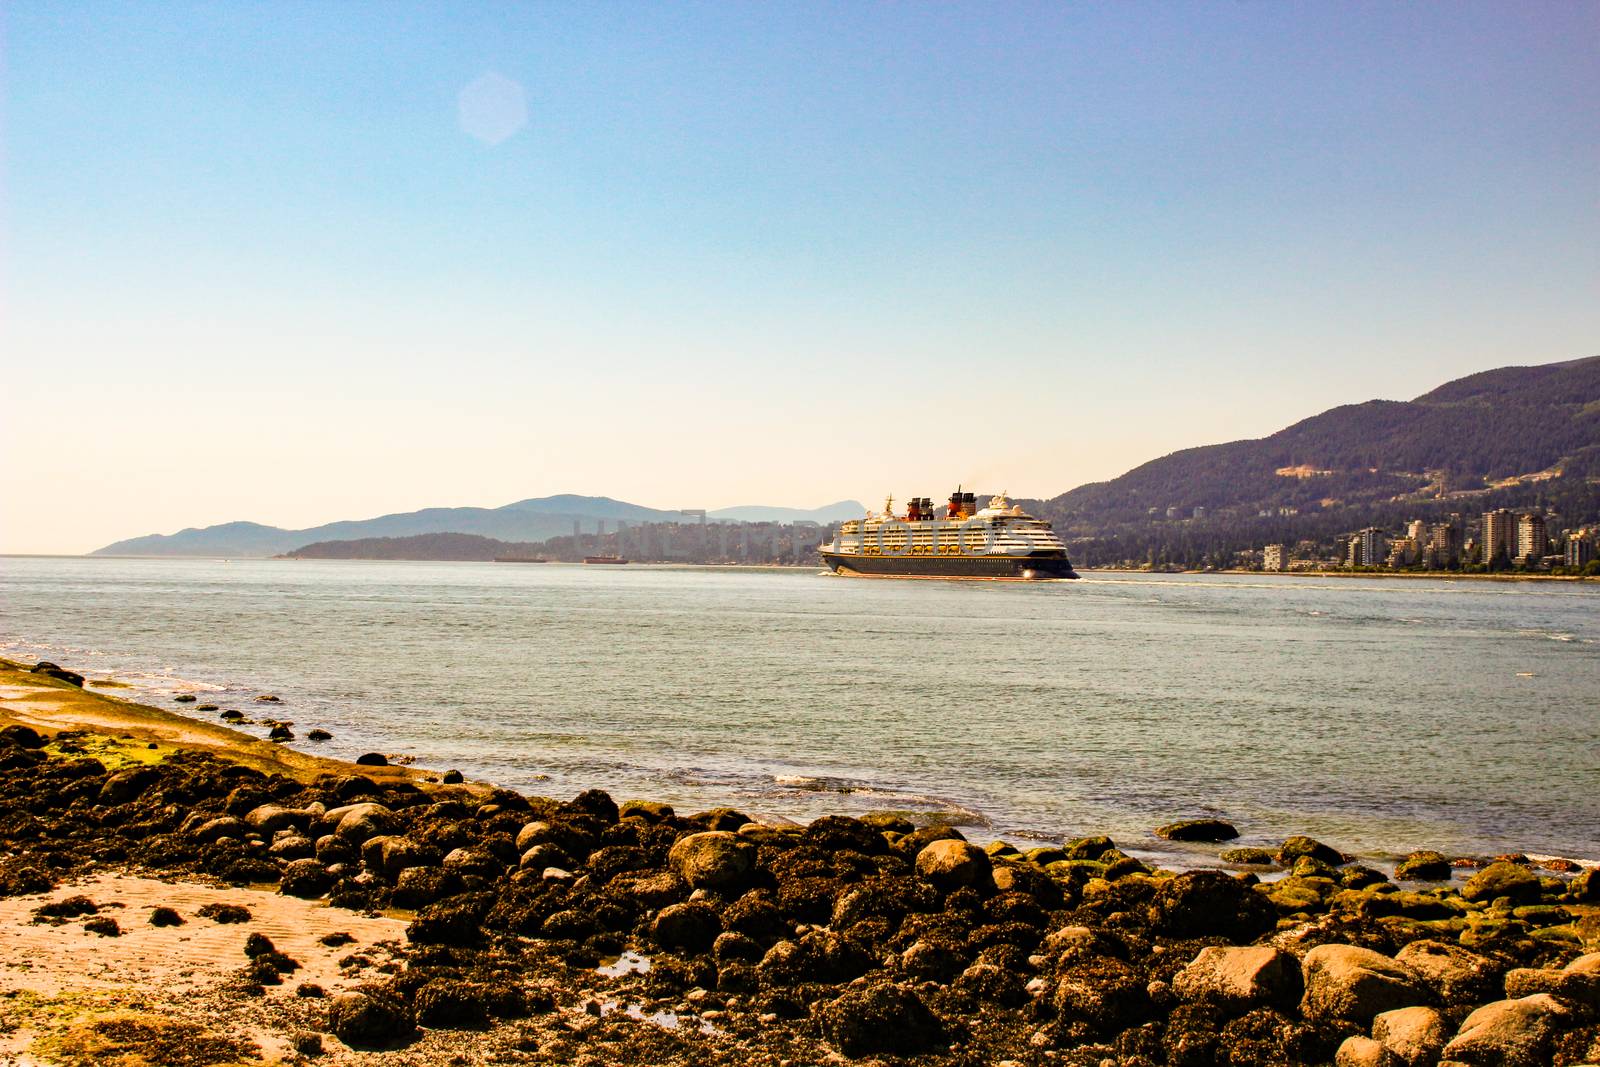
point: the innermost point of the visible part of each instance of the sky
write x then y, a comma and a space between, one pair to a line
298, 262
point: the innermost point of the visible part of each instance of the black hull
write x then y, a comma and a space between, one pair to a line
1001, 568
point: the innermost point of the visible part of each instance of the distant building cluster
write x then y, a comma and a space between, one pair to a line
1498, 540
695, 541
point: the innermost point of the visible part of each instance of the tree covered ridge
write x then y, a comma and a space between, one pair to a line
1463, 436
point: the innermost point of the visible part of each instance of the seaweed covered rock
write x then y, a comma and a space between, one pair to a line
713, 859
1354, 984
370, 1020
884, 1018
1503, 879
1210, 830
1510, 1033
1210, 904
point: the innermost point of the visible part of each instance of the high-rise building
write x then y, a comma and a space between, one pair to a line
1580, 550
1368, 548
1499, 536
1417, 530
1403, 553
1533, 541
1444, 546
1275, 558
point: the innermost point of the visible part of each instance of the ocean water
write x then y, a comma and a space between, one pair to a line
1378, 715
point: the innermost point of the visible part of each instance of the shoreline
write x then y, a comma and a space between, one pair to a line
1437, 576
738, 942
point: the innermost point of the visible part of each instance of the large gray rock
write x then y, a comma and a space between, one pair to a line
713, 859
1503, 880
1415, 1036
1456, 975
1241, 978
951, 864
1355, 984
1509, 1033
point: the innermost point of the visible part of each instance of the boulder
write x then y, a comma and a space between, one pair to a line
1503, 879
1416, 1035
1424, 866
1360, 1051
1103, 993
224, 826
1578, 987
388, 855
1089, 848
1238, 979
450, 1004
417, 887
713, 859
270, 818
1585, 888
1253, 857
1509, 1033
22, 736
50, 670
1300, 845
1198, 830
127, 785
1355, 984
304, 878
366, 1021
372, 759
885, 1018
358, 822
648, 810
1456, 975
691, 926
950, 864
1210, 904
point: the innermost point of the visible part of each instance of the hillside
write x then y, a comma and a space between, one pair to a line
526, 520
1512, 437
437, 547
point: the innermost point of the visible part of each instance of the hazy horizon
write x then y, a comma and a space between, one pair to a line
310, 262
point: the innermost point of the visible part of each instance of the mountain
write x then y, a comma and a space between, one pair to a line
836, 512
1512, 437
524, 521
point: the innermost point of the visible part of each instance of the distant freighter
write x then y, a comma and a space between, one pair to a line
999, 542
604, 559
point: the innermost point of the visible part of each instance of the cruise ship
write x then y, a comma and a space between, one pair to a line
1000, 541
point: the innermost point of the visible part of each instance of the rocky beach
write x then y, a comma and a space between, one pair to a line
173, 891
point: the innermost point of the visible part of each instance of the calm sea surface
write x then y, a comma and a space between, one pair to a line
1379, 715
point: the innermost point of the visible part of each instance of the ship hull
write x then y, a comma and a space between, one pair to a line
993, 568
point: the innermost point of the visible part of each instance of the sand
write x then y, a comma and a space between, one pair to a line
58, 981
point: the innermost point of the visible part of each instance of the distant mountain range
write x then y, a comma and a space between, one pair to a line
1513, 437
524, 521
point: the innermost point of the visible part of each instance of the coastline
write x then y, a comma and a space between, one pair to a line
848, 937
1437, 576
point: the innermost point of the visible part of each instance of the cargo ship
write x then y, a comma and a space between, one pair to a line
998, 542
604, 559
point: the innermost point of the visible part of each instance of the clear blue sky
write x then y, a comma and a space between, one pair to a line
257, 265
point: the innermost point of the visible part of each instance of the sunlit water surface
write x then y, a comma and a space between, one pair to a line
1380, 715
